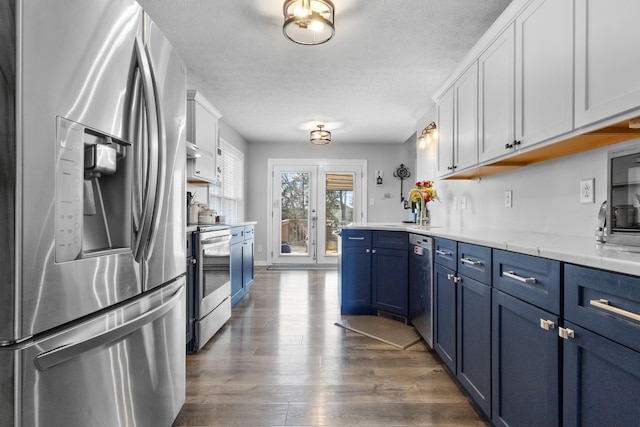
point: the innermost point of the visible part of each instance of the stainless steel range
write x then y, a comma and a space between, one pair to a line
212, 287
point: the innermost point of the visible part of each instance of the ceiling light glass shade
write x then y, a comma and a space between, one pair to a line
308, 22
320, 136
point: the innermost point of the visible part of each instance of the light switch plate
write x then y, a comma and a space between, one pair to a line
587, 187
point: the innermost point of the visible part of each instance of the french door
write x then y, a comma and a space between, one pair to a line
310, 200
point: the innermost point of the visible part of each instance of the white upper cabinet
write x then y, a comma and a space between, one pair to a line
466, 119
458, 124
203, 130
544, 71
446, 132
497, 87
607, 59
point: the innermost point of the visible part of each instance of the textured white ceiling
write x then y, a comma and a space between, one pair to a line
370, 83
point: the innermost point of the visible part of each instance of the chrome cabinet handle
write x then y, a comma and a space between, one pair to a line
443, 253
373, 251
605, 305
514, 276
355, 238
547, 324
453, 277
566, 333
470, 261
367, 250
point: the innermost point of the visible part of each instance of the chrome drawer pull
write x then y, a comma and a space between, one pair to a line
547, 324
356, 238
604, 304
566, 333
514, 276
470, 261
443, 253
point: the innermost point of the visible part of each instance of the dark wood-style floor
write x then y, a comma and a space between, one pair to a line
281, 361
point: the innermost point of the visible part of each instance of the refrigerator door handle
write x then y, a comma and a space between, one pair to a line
140, 167
161, 146
151, 181
54, 357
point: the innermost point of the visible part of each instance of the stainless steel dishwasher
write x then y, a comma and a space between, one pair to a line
421, 285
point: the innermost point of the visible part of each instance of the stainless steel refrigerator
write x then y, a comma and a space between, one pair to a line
92, 251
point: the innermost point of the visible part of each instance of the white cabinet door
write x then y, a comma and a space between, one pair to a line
202, 130
466, 122
497, 86
544, 71
607, 59
445, 133
206, 130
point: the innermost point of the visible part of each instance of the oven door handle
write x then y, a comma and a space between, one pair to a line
215, 240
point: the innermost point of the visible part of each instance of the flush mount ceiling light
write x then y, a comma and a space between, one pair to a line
429, 133
320, 136
308, 22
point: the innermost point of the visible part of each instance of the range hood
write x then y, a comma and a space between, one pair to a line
193, 152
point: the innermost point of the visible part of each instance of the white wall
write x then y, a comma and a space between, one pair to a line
384, 157
545, 195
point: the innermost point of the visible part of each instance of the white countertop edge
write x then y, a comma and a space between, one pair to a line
571, 249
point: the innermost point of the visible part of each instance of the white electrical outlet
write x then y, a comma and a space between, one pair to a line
259, 248
463, 203
587, 190
508, 196
372, 201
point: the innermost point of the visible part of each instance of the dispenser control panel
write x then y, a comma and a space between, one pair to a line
69, 193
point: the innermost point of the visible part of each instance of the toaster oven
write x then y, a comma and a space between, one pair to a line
623, 195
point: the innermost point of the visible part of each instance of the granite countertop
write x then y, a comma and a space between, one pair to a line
572, 249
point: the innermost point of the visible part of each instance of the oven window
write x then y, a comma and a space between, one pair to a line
215, 268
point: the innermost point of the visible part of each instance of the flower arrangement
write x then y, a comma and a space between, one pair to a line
426, 189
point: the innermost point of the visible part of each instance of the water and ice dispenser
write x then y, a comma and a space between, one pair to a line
93, 192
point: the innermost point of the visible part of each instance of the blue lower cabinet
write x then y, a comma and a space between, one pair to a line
601, 383
389, 280
248, 255
474, 341
237, 288
374, 272
355, 277
242, 262
444, 333
526, 363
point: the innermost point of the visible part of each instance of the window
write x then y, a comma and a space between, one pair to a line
227, 198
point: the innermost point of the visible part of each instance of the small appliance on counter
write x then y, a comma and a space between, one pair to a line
623, 196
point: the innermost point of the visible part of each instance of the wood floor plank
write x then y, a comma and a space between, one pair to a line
280, 360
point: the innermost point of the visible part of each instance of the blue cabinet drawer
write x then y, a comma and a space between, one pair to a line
532, 279
391, 240
605, 302
356, 238
248, 231
475, 262
446, 253
237, 234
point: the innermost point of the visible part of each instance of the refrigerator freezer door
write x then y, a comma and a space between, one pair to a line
120, 368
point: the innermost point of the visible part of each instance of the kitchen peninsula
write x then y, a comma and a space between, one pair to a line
550, 337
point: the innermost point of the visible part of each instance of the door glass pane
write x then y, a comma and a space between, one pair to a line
338, 207
294, 225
